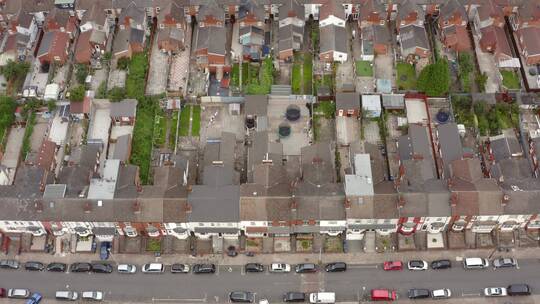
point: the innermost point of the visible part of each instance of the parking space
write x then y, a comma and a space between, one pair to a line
158, 71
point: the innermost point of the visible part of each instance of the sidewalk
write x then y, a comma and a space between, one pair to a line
291, 258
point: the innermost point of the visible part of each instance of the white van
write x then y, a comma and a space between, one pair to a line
322, 297
153, 268
67, 295
475, 263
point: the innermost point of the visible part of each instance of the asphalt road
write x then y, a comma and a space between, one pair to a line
352, 285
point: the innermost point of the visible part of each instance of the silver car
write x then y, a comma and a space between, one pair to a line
126, 268
18, 293
504, 263
92, 295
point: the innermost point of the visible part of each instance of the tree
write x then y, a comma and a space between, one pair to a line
116, 94
13, 70
81, 71
434, 79
7, 110
51, 105
77, 93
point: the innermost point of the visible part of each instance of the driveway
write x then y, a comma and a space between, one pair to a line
179, 72
384, 67
158, 71
347, 129
488, 66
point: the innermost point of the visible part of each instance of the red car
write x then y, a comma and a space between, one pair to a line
393, 265
383, 295
2, 292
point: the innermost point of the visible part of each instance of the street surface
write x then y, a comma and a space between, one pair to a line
352, 285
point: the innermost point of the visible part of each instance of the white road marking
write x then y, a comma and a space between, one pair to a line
470, 294
178, 300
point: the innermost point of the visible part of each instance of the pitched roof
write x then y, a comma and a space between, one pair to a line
450, 144
124, 108
505, 145
408, 7
333, 39
347, 101
213, 39
214, 203
531, 39
413, 36
135, 14
53, 43
291, 8
331, 8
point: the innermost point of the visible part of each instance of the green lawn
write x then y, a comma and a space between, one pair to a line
172, 127
510, 80
264, 81
184, 122
364, 68
141, 147
160, 130
406, 76
30, 123
235, 75
196, 124
296, 78
308, 73
136, 78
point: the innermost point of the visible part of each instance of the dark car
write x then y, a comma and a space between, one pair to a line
416, 293
204, 268
305, 268
102, 268
254, 267
441, 264
294, 296
518, 290
80, 267
9, 264
57, 267
179, 268
241, 297
104, 250
34, 266
336, 267
2, 292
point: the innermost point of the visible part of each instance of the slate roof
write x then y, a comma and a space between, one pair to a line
407, 7
331, 8
347, 101
213, 39
214, 203
291, 8
450, 144
505, 145
124, 108
413, 36
333, 39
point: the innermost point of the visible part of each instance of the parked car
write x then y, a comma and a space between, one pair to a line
519, 290
204, 268
504, 263
393, 265
294, 296
231, 251
418, 293
18, 293
80, 267
254, 267
305, 268
441, 264
495, 292
126, 268
241, 297
336, 267
475, 263
104, 250
34, 266
35, 298
179, 268
153, 268
280, 267
417, 265
444, 293
57, 267
92, 295
383, 295
322, 297
2, 292
102, 268
9, 264
67, 295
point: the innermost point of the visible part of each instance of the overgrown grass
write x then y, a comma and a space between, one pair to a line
462, 108
364, 68
406, 76
160, 129
510, 80
493, 119
296, 79
308, 73
141, 147
136, 78
172, 129
196, 122
184, 122
262, 81
30, 123
324, 80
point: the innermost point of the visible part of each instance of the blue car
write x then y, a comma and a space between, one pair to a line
34, 299
104, 250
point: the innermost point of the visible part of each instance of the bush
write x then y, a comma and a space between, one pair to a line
481, 81
122, 63
102, 90
81, 71
77, 93
116, 94
434, 79
7, 108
